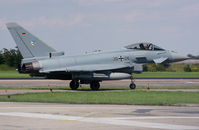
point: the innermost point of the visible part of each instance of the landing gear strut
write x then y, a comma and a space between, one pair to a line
74, 84
132, 85
95, 85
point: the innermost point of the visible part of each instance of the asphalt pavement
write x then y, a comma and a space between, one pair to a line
139, 82
51, 116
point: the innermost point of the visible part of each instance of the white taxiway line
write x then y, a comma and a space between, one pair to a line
127, 121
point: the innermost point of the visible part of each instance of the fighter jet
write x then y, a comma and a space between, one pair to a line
39, 59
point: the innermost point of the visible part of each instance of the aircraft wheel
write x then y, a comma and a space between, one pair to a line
94, 85
132, 86
74, 84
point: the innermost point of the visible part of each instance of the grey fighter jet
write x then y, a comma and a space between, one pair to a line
39, 59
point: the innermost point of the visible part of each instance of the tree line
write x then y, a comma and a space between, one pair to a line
10, 57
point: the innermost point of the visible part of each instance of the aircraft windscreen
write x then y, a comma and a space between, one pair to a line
143, 46
157, 48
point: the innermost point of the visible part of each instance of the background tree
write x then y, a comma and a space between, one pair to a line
187, 68
1, 58
10, 57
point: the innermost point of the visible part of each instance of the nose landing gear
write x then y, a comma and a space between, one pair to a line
132, 85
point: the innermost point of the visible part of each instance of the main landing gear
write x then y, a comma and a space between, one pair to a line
74, 84
132, 85
94, 85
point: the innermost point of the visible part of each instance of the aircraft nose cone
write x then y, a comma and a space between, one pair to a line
177, 57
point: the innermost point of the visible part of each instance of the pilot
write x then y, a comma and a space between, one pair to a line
150, 47
142, 47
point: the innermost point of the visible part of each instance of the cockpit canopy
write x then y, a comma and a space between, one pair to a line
144, 46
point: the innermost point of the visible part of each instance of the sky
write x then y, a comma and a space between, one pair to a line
79, 26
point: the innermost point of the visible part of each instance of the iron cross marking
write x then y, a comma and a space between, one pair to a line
121, 58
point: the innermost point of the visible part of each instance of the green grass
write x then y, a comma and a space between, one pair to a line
4, 67
169, 87
13, 74
9, 72
102, 88
125, 97
167, 75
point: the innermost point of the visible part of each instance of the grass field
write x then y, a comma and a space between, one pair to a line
137, 97
15, 74
102, 88
167, 74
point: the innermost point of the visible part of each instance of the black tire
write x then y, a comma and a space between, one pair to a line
95, 85
74, 84
132, 86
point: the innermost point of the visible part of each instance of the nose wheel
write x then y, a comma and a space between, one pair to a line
132, 85
74, 84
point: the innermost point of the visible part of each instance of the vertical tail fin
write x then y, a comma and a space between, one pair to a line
29, 45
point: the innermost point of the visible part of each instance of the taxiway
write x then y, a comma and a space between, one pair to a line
24, 116
139, 82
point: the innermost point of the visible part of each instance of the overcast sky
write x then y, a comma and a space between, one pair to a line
77, 26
